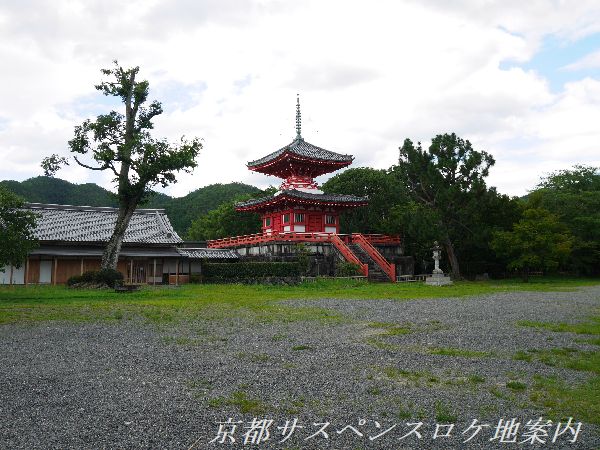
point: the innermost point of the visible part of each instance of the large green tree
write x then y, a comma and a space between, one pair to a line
447, 182
420, 226
573, 195
225, 221
537, 242
491, 212
17, 230
384, 193
123, 145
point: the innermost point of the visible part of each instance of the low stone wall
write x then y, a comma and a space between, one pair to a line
277, 249
319, 264
275, 281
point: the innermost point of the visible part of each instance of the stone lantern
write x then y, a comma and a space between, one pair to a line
437, 278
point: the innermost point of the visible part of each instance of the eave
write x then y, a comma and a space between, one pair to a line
287, 198
289, 163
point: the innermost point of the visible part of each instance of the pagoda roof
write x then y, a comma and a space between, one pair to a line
302, 150
302, 198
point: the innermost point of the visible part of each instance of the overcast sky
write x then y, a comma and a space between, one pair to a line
519, 79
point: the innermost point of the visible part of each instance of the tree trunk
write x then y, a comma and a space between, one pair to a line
110, 258
127, 201
454, 267
525, 275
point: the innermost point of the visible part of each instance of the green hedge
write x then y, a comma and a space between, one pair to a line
109, 277
245, 270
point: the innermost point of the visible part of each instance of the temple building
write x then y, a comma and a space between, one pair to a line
72, 239
301, 213
299, 205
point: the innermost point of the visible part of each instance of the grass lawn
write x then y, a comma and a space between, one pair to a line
561, 398
165, 304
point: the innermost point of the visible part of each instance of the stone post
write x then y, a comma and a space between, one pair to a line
437, 255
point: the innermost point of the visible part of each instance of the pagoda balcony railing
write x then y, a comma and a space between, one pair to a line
258, 238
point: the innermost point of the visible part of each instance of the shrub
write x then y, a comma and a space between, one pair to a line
302, 256
195, 279
347, 269
108, 277
85, 277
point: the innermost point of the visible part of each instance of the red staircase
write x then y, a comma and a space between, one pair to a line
349, 254
387, 267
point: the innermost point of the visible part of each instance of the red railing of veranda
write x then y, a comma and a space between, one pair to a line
258, 238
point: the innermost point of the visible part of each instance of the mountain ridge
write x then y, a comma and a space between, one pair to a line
180, 210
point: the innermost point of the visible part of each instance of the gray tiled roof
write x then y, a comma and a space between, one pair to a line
208, 253
305, 195
302, 148
97, 250
96, 224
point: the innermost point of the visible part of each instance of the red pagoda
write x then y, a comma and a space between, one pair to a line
300, 212
299, 205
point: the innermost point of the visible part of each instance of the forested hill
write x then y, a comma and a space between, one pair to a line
181, 210
54, 190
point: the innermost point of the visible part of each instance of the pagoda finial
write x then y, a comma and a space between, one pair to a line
298, 118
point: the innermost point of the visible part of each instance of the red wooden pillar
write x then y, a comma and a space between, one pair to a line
292, 220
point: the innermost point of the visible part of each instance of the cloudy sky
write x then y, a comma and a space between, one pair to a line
519, 79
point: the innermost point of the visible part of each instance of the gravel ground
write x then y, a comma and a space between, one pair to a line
137, 385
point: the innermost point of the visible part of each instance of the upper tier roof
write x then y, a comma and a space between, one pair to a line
96, 224
301, 150
302, 198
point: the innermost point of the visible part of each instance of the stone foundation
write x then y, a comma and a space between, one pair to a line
323, 256
438, 279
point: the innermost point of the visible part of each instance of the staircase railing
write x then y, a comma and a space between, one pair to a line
388, 267
349, 254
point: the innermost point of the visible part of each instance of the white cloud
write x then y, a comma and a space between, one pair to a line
589, 61
369, 75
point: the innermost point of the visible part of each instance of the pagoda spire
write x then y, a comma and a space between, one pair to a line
298, 118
